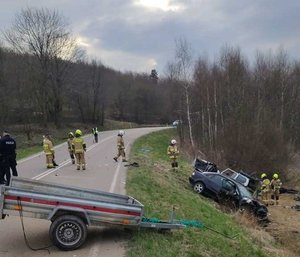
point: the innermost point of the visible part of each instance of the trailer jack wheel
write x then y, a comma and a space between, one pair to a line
68, 232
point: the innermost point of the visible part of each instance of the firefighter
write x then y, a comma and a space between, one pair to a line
53, 156
53, 159
120, 146
79, 147
95, 133
71, 151
265, 189
173, 152
7, 158
275, 187
49, 151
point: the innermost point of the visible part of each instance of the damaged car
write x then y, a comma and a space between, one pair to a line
205, 166
252, 183
228, 192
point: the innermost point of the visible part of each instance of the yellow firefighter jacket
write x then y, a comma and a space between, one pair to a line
265, 186
276, 184
78, 145
48, 146
172, 151
120, 142
70, 140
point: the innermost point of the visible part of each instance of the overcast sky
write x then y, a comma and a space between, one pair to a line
139, 35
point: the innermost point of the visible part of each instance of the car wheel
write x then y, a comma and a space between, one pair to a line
199, 187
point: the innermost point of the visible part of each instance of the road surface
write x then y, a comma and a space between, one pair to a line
102, 173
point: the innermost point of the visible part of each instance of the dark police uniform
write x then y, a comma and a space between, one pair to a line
7, 158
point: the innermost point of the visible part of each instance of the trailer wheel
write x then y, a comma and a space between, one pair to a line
68, 232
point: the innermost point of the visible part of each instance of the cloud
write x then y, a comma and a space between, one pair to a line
140, 34
164, 5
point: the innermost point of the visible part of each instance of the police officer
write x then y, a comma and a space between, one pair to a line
173, 153
120, 146
275, 186
79, 148
95, 133
265, 189
7, 158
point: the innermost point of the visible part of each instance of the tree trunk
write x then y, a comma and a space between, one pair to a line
209, 119
203, 124
189, 117
281, 109
216, 115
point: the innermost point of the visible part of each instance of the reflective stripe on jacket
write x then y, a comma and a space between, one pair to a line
94, 131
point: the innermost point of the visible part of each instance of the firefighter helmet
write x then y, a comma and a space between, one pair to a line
121, 132
71, 134
275, 175
78, 132
173, 141
264, 175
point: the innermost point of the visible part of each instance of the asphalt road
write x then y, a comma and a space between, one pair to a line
102, 173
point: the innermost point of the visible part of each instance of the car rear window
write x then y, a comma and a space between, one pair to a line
241, 179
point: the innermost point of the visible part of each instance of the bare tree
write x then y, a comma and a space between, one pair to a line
3, 103
184, 67
42, 33
283, 69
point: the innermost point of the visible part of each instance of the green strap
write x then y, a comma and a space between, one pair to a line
188, 223
192, 223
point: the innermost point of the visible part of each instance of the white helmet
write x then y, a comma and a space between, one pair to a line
121, 132
173, 141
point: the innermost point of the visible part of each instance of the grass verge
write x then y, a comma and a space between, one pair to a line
27, 147
160, 189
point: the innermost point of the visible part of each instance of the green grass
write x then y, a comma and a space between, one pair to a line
27, 147
25, 152
160, 189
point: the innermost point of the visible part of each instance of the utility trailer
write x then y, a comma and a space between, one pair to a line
72, 209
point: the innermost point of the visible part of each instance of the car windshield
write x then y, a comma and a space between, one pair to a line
243, 191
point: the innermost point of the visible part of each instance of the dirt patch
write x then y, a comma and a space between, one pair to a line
285, 223
281, 236
293, 173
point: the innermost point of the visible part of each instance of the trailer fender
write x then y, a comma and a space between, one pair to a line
69, 211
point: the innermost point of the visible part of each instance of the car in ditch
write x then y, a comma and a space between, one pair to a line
252, 183
241, 177
205, 166
228, 192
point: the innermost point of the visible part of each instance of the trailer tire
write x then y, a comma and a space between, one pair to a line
68, 232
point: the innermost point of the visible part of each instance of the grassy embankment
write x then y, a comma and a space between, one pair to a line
159, 189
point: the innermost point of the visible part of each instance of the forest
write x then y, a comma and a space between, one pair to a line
241, 113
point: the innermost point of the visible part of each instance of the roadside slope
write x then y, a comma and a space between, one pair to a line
161, 189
